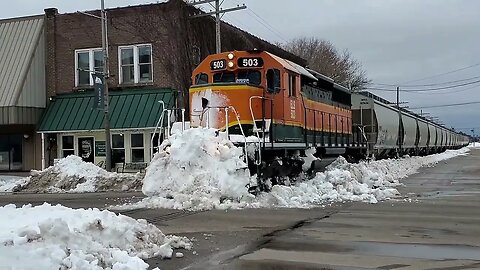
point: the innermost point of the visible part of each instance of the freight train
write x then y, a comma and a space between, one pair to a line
283, 109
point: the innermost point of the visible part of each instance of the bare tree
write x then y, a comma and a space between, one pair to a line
323, 57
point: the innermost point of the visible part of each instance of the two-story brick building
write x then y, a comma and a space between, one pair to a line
152, 50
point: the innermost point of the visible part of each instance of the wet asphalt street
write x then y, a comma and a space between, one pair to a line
435, 225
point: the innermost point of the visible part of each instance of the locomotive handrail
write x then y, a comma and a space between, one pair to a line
226, 124
241, 130
156, 127
256, 129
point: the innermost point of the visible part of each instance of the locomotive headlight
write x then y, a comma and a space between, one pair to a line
230, 56
230, 64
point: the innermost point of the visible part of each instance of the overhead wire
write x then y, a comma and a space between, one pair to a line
445, 93
430, 84
423, 90
446, 105
264, 23
442, 74
268, 25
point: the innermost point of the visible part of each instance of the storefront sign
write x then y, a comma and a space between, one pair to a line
100, 149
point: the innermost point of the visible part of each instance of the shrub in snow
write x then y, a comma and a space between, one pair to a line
57, 237
72, 174
196, 168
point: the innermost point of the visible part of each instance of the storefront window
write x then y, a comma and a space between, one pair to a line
11, 152
138, 153
118, 148
67, 146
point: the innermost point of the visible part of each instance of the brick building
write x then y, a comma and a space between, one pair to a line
152, 49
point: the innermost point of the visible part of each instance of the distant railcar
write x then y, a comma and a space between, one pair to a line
390, 132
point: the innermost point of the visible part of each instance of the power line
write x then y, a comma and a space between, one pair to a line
431, 84
464, 128
268, 25
445, 93
446, 105
219, 12
425, 90
265, 23
442, 74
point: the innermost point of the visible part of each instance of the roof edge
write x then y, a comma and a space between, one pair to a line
23, 18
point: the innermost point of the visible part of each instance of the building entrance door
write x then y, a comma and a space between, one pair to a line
11, 152
85, 149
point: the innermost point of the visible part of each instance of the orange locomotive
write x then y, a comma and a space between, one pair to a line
289, 107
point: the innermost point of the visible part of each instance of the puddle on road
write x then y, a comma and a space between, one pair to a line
419, 251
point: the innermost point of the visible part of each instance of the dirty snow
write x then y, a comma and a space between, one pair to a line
57, 237
198, 170
72, 174
10, 183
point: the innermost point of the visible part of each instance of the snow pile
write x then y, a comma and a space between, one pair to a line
342, 181
197, 169
72, 174
12, 183
57, 237
474, 145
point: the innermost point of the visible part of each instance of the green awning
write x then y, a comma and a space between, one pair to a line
128, 110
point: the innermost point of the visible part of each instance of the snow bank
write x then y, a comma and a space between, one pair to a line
342, 181
72, 174
57, 237
12, 183
474, 145
198, 170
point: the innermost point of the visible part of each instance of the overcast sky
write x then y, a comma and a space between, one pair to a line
397, 41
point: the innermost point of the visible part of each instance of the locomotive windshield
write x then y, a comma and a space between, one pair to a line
253, 77
224, 76
249, 76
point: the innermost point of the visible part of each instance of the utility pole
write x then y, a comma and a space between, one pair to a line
474, 140
219, 12
400, 129
108, 145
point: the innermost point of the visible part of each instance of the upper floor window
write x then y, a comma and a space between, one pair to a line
135, 64
87, 61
